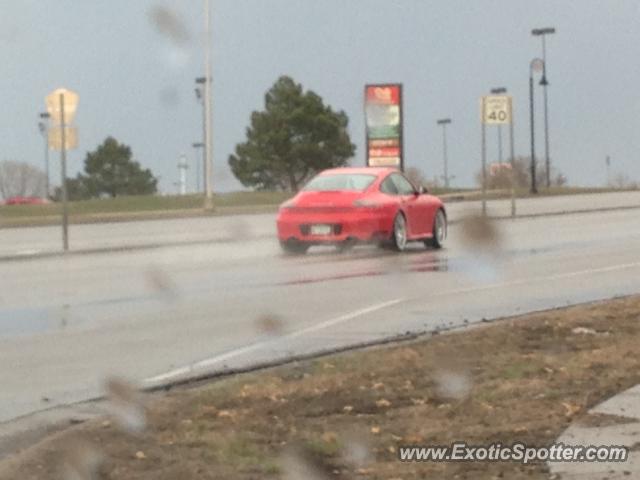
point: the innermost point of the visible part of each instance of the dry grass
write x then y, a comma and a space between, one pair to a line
521, 379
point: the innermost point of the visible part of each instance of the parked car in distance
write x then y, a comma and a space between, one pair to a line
25, 201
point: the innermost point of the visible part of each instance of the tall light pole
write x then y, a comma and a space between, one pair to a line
543, 32
208, 137
499, 91
43, 126
444, 122
199, 90
536, 65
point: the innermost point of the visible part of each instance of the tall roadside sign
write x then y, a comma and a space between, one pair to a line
62, 105
497, 110
383, 115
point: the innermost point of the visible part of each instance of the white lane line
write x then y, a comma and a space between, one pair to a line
364, 311
256, 346
523, 281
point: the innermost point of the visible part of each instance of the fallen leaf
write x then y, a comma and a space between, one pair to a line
571, 409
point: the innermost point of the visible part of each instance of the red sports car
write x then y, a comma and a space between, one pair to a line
344, 206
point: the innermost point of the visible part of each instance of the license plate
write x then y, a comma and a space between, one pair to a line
321, 229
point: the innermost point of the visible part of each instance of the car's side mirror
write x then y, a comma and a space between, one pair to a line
422, 190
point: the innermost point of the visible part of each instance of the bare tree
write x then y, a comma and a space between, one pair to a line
19, 179
415, 176
622, 181
499, 175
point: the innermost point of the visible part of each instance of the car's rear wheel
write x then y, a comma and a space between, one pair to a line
399, 236
292, 247
439, 231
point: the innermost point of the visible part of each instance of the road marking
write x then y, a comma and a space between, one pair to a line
258, 345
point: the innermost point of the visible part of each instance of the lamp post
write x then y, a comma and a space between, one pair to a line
444, 122
499, 91
536, 65
543, 32
43, 126
200, 96
208, 135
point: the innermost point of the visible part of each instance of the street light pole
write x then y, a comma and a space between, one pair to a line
444, 122
200, 82
543, 32
208, 140
535, 65
43, 125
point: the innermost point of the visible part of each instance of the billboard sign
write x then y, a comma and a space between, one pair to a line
383, 115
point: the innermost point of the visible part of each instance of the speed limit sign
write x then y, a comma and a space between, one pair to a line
496, 109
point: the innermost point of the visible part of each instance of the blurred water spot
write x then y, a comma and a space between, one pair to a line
162, 284
357, 450
125, 405
81, 461
482, 251
479, 232
452, 385
295, 466
481, 268
169, 24
270, 324
238, 229
169, 97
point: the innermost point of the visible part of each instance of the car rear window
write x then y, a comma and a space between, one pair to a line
340, 181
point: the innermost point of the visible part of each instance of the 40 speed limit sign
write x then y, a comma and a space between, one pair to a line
496, 109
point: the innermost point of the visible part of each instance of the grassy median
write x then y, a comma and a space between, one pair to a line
149, 207
344, 416
140, 207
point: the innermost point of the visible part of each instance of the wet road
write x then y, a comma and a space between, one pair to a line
157, 315
39, 240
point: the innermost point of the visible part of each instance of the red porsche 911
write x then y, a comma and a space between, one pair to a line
345, 206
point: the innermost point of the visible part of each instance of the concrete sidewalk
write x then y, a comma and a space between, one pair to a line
617, 422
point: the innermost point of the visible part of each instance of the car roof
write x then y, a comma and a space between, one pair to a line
378, 171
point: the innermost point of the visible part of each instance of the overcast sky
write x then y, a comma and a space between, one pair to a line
137, 85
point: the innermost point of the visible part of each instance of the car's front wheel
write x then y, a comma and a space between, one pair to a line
439, 231
292, 247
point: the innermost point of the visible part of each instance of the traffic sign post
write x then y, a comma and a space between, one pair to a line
62, 105
497, 110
